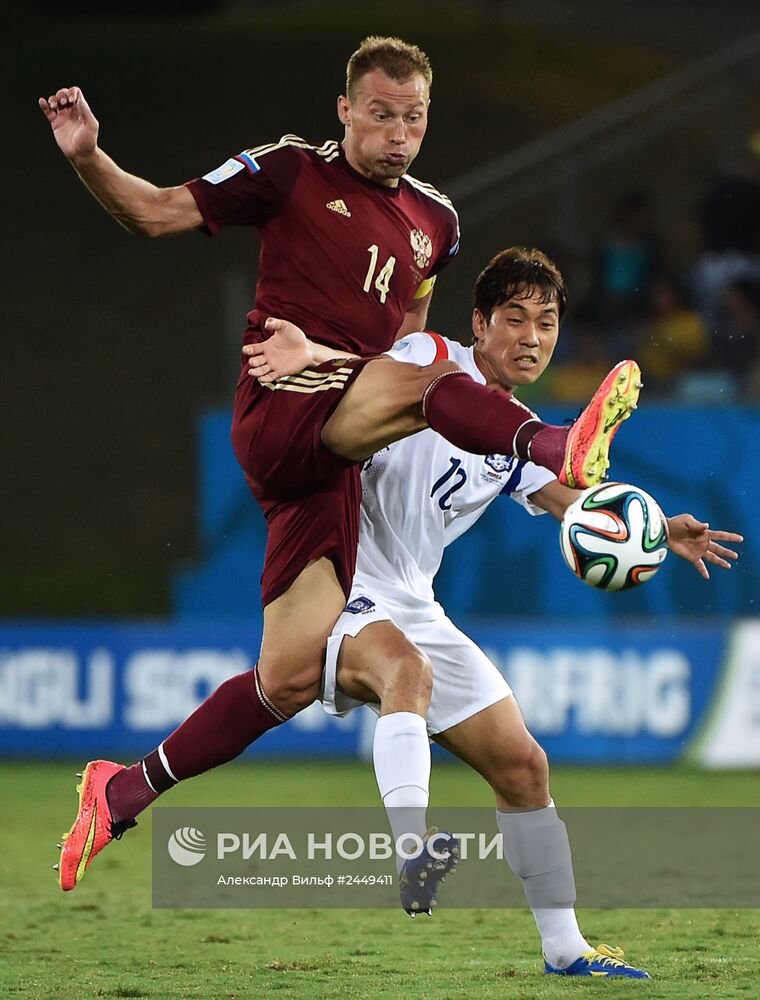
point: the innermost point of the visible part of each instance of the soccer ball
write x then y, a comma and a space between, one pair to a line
614, 536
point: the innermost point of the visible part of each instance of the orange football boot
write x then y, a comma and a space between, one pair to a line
588, 442
93, 828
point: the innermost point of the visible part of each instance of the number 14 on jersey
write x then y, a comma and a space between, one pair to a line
383, 279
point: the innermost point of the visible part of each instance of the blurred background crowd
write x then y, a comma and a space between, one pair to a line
694, 327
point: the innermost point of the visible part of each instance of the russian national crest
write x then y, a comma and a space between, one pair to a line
422, 246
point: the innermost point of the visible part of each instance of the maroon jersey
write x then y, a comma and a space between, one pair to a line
341, 256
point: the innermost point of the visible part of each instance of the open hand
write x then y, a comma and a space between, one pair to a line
74, 126
286, 352
698, 544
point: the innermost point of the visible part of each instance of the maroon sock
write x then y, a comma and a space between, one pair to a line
486, 421
219, 730
546, 446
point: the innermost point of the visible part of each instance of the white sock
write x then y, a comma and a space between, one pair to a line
537, 849
401, 755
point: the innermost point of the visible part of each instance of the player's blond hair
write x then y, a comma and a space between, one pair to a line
396, 58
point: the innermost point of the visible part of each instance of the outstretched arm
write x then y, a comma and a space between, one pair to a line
287, 351
554, 498
139, 206
698, 544
688, 538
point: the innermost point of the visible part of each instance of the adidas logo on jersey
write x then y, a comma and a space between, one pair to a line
340, 207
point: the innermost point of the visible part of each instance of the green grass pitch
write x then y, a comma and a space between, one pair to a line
104, 940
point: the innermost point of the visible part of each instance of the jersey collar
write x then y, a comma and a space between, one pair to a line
388, 192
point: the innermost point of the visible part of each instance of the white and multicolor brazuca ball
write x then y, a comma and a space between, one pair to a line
614, 536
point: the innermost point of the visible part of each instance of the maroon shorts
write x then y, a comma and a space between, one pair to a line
310, 497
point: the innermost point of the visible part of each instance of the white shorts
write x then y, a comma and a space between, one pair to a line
465, 681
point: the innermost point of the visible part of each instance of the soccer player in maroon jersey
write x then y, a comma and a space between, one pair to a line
350, 248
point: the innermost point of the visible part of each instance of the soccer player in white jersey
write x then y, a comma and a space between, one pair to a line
394, 647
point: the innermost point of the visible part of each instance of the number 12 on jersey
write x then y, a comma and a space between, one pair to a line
383, 279
460, 478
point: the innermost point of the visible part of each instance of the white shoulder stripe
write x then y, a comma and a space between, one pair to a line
431, 192
267, 147
329, 150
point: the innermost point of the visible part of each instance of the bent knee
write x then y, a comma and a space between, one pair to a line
292, 697
522, 778
400, 681
291, 692
442, 367
530, 763
421, 377
535, 764
409, 383
410, 672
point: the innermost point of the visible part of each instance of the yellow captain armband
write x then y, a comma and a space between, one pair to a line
425, 288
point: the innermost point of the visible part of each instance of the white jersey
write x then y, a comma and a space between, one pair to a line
422, 493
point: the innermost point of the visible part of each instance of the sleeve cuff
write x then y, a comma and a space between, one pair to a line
210, 226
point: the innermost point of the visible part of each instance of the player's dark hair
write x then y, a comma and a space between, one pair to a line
396, 58
518, 273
